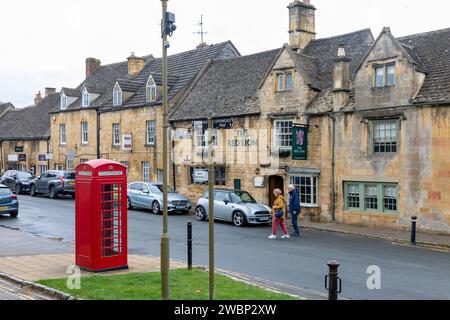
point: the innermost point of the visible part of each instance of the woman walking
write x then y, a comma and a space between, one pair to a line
279, 215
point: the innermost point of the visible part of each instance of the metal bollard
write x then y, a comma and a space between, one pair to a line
413, 230
332, 282
189, 245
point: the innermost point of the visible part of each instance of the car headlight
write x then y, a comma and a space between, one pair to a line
248, 210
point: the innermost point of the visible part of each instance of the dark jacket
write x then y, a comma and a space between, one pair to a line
294, 202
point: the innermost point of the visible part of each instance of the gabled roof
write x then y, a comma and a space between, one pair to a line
182, 68
94, 89
433, 51
70, 92
129, 85
4, 107
30, 123
226, 87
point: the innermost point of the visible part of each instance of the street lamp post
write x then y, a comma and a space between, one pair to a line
211, 177
167, 28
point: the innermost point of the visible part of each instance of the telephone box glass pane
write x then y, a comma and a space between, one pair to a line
111, 220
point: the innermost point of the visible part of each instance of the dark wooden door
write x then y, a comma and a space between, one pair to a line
275, 182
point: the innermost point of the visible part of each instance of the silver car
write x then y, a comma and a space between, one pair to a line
234, 206
150, 195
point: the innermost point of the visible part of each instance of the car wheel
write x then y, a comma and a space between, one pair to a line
238, 219
156, 209
14, 214
33, 190
18, 189
52, 193
129, 206
200, 214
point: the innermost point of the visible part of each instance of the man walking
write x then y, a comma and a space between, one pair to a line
294, 209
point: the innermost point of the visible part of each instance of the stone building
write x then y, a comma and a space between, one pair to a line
25, 134
375, 113
131, 121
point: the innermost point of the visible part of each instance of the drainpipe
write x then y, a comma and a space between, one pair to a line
173, 159
48, 152
98, 133
333, 140
1, 157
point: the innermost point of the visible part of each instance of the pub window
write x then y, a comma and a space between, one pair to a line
62, 134
151, 132
150, 90
371, 197
308, 189
145, 171
126, 164
384, 75
385, 136
84, 133
63, 101
117, 95
199, 175
201, 137
85, 99
283, 133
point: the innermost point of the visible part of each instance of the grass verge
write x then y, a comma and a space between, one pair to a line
184, 285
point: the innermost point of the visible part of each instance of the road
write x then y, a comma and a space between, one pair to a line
406, 272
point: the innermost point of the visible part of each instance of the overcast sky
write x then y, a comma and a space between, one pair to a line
45, 43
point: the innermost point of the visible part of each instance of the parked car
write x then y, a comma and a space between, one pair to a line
17, 181
200, 176
150, 196
234, 206
54, 183
8, 202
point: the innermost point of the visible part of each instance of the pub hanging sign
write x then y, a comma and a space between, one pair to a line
300, 143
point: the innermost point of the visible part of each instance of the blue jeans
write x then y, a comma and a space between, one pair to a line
294, 217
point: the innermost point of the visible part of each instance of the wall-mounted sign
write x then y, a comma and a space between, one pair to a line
49, 156
13, 158
127, 142
223, 123
85, 173
181, 134
22, 157
42, 157
300, 143
110, 173
259, 182
18, 149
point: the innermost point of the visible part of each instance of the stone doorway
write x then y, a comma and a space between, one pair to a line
275, 182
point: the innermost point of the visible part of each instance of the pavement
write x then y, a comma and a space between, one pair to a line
9, 290
296, 265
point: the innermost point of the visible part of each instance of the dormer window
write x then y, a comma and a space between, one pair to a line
63, 101
150, 91
117, 95
284, 81
384, 75
85, 99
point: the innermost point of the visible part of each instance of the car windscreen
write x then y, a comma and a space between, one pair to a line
24, 175
160, 188
69, 175
5, 192
245, 197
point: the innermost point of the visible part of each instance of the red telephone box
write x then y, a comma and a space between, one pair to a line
101, 216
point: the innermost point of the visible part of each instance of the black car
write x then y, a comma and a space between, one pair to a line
17, 181
54, 183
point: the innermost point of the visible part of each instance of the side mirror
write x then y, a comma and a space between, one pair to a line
145, 191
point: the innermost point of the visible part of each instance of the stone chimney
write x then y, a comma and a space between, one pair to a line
302, 24
202, 45
341, 79
92, 64
49, 91
135, 64
37, 98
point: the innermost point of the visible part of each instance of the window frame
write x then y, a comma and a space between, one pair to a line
117, 96
84, 133
202, 138
276, 134
85, 98
63, 101
151, 136
385, 67
381, 187
150, 90
373, 134
282, 81
118, 141
146, 171
313, 185
62, 133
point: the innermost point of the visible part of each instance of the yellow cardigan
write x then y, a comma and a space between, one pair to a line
279, 203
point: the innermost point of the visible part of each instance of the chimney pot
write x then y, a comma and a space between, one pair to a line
37, 98
92, 64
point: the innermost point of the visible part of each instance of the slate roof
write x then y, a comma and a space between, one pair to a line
30, 123
4, 107
433, 51
182, 68
320, 55
129, 85
226, 87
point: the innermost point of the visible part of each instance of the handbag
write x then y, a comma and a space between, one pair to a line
279, 214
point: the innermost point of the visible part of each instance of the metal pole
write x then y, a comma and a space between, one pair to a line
165, 262
332, 281
189, 245
211, 177
413, 230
